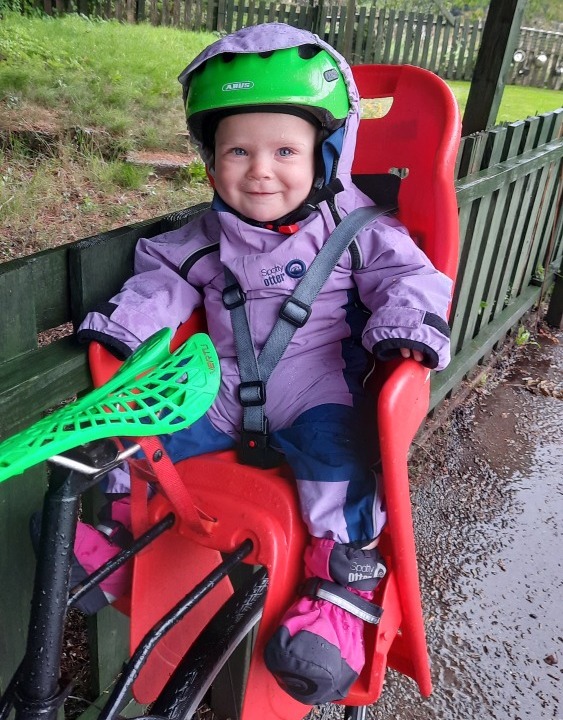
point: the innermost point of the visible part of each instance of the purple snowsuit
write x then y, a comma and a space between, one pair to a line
384, 294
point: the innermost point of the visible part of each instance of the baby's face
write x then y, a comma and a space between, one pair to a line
264, 163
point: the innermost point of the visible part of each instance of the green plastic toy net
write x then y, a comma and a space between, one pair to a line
153, 393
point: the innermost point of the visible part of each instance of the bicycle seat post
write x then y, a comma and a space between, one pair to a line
38, 693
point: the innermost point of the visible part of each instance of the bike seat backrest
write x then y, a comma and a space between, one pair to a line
417, 139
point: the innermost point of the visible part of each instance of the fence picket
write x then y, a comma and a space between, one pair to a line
408, 43
444, 49
389, 32
399, 31
418, 29
369, 46
378, 52
359, 51
549, 208
494, 302
455, 49
434, 56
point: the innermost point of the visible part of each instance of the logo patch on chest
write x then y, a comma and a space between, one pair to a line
273, 276
277, 274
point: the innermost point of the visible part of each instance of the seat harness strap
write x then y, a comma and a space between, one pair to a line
295, 311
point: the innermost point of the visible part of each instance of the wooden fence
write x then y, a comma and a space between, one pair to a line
509, 191
446, 46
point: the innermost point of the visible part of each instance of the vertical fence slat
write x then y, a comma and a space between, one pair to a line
370, 33
359, 51
513, 220
549, 211
154, 12
495, 300
399, 32
332, 27
444, 50
417, 39
272, 13
455, 49
428, 33
530, 211
521, 221
210, 19
323, 19
261, 12
546, 181
389, 33
472, 281
198, 15
434, 56
474, 42
378, 53
406, 55
292, 17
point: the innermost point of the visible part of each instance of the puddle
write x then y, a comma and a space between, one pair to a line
488, 519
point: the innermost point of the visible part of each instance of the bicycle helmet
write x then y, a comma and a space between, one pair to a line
303, 80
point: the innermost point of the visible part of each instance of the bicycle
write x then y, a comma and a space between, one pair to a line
214, 514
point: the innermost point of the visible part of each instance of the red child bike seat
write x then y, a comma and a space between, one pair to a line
416, 139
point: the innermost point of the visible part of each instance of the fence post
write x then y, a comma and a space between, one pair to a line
500, 36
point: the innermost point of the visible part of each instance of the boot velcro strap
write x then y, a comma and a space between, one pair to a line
339, 596
116, 533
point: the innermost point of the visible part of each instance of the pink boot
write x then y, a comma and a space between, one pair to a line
318, 651
95, 546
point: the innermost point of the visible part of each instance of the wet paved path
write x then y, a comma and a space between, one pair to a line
488, 511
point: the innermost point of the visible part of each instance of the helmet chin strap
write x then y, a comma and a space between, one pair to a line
317, 196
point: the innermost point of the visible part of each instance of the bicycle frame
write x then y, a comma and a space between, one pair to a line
35, 692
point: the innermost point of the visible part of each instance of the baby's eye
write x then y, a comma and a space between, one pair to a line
285, 151
238, 151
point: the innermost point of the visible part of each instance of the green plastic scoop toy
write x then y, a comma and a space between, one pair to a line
174, 391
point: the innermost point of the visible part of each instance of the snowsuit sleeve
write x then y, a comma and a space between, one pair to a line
156, 296
407, 297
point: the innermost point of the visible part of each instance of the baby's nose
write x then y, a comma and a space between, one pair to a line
260, 167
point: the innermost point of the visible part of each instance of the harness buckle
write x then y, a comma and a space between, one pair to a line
295, 312
252, 393
233, 296
255, 450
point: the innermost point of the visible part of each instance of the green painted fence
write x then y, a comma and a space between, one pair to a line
509, 191
446, 45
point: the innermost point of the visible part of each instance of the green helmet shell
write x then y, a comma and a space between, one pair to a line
306, 77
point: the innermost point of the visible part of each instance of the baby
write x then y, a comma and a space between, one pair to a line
274, 112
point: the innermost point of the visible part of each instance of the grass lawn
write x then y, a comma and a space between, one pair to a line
518, 102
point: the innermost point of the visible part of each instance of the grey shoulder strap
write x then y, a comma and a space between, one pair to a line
293, 314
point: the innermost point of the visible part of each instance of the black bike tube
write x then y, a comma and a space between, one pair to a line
109, 567
37, 693
184, 692
139, 657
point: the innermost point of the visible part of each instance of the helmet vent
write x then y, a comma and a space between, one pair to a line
228, 57
306, 52
266, 54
